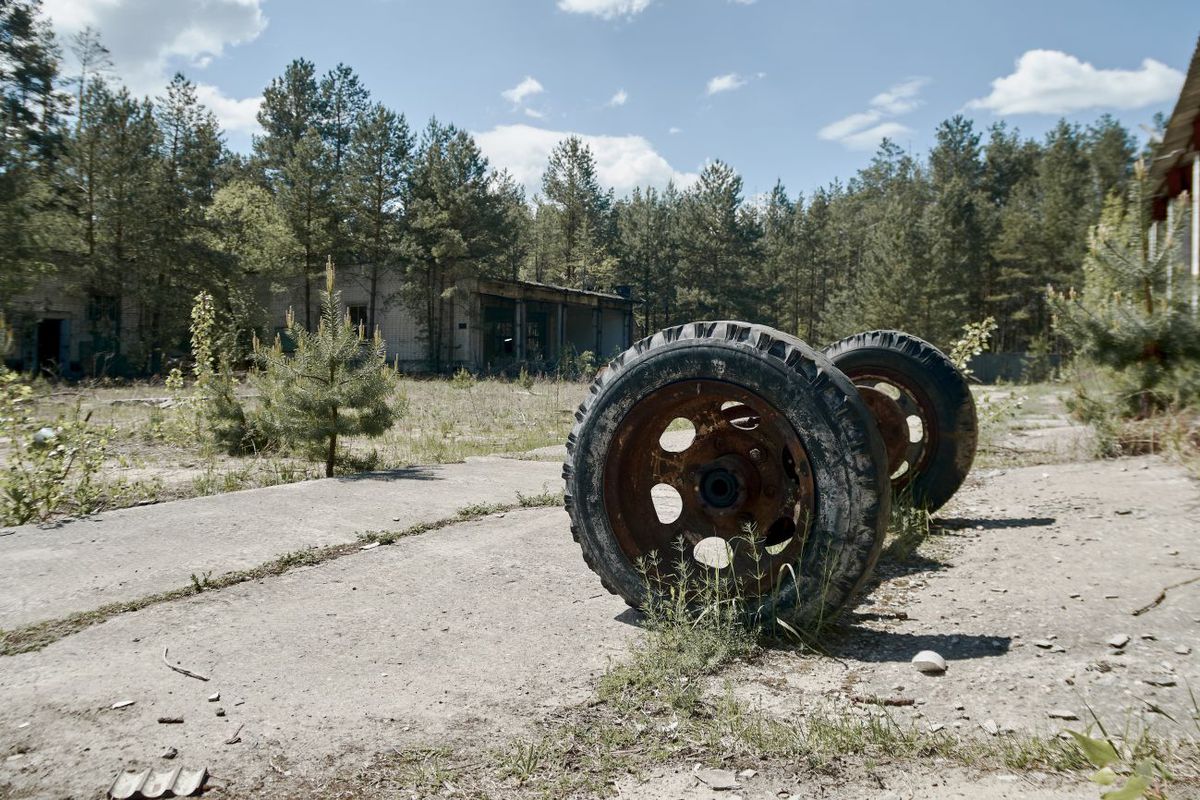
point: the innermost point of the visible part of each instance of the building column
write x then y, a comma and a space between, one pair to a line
1195, 193
562, 329
519, 330
598, 321
1170, 259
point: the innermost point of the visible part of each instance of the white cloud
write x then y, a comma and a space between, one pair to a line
870, 138
151, 39
238, 116
673, 130
863, 130
620, 98
1053, 82
526, 88
901, 98
725, 83
622, 162
605, 9
534, 113
847, 126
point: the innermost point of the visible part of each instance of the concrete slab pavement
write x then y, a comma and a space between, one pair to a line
472, 632
47, 573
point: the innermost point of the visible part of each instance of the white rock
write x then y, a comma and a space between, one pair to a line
1183, 649
747, 774
1062, 713
929, 662
1118, 641
990, 726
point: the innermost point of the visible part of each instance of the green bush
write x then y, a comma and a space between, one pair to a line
1131, 315
51, 468
336, 384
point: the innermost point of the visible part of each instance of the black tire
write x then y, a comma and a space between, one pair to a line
844, 451
941, 391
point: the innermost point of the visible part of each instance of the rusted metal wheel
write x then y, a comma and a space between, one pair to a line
703, 433
922, 406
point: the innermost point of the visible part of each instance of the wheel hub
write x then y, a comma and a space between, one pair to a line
744, 470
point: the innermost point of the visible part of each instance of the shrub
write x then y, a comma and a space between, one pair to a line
336, 384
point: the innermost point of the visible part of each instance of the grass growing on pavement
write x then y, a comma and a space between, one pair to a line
38, 635
158, 448
666, 704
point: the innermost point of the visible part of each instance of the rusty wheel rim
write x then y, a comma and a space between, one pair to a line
744, 469
904, 418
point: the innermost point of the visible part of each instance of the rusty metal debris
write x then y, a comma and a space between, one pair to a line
151, 783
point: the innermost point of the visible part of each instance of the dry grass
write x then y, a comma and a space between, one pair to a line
157, 443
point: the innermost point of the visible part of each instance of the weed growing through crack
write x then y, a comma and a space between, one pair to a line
696, 621
908, 528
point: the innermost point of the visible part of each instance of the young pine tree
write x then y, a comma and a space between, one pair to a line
336, 384
1132, 314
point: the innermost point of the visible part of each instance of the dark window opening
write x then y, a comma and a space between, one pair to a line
358, 315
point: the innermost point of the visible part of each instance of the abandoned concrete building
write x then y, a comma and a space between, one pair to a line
487, 325
1176, 170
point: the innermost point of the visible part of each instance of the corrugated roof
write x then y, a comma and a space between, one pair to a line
1178, 140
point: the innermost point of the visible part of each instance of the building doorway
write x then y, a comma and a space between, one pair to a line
51, 345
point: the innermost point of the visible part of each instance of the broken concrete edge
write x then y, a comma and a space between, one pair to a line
38, 635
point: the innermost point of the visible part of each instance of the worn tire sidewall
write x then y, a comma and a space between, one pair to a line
822, 406
950, 400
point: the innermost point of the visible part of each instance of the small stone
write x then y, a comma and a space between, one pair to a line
721, 779
122, 704
1118, 641
1159, 681
170, 720
214, 697
395, 519
1183, 649
747, 774
169, 753
990, 727
1150, 637
220, 712
1045, 644
1058, 648
370, 546
929, 662
934, 727
1062, 713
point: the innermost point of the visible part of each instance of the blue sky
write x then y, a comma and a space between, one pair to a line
786, 89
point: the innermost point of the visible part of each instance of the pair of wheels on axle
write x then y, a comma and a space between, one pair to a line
736, 450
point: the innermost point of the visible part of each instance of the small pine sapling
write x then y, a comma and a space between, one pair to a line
1132, 314
337, 383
